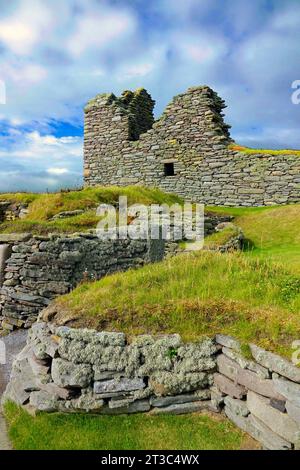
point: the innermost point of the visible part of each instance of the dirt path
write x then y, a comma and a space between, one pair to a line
14, 343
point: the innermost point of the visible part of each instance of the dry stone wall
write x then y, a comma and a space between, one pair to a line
80, 370
69, 370
260, 395
190, 140
37, 269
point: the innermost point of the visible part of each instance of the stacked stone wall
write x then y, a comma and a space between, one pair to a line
79, 370
36, 269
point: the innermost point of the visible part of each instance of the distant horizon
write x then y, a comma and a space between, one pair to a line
55, 57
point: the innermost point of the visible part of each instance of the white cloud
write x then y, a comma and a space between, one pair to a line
95, 30
57, 171
22, 30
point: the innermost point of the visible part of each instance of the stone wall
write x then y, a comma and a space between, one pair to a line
260, 395
192, 137
69, 370
41, 268
79, 370
36, 269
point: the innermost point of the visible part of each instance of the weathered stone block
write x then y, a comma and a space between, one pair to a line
279, 423
248, 379
293, 411
228, 387
136, 407
238, 407
43, 401
290, 390
169, 383
276, 363
66, 374
119, 385
182, 408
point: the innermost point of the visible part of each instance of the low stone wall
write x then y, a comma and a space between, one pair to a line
40, 268
260, 395
79, 370
70, 370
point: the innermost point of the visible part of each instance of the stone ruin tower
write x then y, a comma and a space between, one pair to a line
186, 151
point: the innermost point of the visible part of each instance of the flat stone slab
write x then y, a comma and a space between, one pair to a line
267, 437
293, 411
182, 408
280, 423
119, 386
13, 344
228, 342
238, 407
140, 406
250, 380
275, 363
244, 363
228, 387
14, 237
258, 431
290, 390
179, 399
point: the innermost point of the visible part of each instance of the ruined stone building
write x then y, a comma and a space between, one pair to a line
186, 151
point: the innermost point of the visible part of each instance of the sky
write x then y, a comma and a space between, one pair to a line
56, 55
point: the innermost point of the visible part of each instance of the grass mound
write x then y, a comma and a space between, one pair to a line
199, 294
254, 295
132, 432
43, 207
272, 233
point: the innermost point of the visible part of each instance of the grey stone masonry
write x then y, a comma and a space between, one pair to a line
269, 408
34, 270
185, 152
104, 372
81, 370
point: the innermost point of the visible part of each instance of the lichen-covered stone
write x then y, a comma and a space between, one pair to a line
67, 374
168, 383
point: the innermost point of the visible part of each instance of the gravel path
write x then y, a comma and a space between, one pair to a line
14, 343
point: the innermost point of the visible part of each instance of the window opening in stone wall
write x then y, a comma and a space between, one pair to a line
169, 169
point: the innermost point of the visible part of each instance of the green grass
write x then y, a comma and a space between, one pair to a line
132, 432
240, 148
199, 294
42, 207
254, 295
273, 233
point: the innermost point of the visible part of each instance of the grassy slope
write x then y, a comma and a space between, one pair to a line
247, 294
273, 232
42, 207
138, 432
